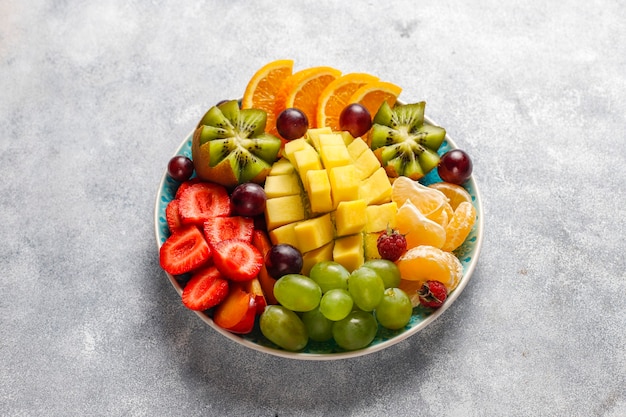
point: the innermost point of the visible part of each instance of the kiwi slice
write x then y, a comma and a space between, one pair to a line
403, 142
230, 146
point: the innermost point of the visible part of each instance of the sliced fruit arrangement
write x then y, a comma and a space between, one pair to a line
306, 210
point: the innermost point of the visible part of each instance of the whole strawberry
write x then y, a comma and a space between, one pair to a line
391, 245
433, 294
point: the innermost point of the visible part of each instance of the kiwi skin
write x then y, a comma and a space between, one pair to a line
404, 144
230, 146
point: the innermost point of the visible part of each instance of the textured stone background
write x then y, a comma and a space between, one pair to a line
96, 96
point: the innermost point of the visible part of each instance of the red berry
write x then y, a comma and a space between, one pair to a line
201, 201
391, 245
217, 229
433, 294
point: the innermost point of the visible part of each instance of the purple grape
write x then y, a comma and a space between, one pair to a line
292, 123
356, 119
283, 259
248, 199
455, 166
180, 168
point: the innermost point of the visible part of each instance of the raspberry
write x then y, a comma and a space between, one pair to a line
433, 294
391, 245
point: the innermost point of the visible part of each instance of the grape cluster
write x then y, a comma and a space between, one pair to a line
332, 303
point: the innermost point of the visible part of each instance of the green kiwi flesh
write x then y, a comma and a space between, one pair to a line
404, 143
228, 135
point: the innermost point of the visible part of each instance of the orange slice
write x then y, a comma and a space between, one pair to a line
303, 89
455, 193
429, 202
263, 87
459, 226
336, 96
417, 228
424, 263
372, 95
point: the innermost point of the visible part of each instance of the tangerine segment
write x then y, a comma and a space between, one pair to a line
263, 88
412, 289
336, 96
459, 226
417, 228
303, 89
429, 202
455, 193
424, 263
372, 95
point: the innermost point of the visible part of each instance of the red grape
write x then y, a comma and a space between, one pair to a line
283, 259
455, 166
356, 119
248, 199
292, 123
180, 168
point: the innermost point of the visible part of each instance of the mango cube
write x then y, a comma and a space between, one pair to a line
356, 148
318, 190
282, 185
282, 167
306, 160
346, 136
350, 217
344, 184
333, 139
284, 234
325, 253
314, 233
366, 164
314, 135
294, 146
348, 251
381, 216
335, 156
283, 210
376, 189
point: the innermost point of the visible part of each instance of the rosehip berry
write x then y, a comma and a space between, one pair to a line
433, 294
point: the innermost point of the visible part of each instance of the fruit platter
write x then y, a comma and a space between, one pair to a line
319, 216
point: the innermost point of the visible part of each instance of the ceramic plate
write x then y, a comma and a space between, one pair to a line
467, 253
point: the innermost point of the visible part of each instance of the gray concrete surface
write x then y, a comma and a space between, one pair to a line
96, 96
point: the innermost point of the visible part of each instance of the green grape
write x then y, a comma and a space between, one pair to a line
356, 331
330, 275
319, 328
395, 309
366, 288
283, 327
297, 292
388, 271
336, 304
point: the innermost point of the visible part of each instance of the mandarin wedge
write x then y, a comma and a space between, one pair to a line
336, 96
424, 263
459, 226
429, 202
263, 87
417, 228
456, 194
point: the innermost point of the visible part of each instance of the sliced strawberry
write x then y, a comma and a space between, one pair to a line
184, 185
172, 216
206, 288
217, 229
201, 201
185, 250
237, 259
